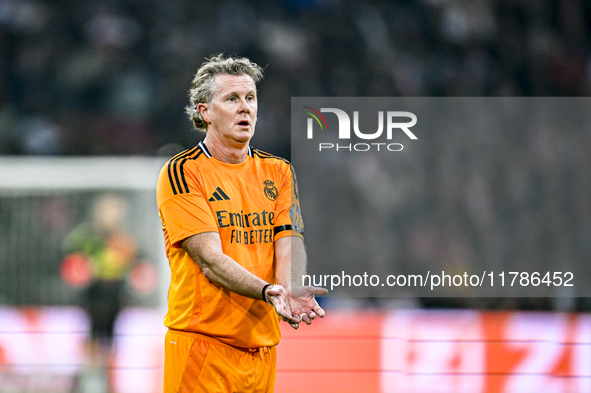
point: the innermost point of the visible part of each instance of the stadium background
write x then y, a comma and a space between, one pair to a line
92, 98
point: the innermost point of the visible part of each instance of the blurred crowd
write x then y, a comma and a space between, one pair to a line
111, 78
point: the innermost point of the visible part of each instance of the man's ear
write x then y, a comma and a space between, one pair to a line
204, 110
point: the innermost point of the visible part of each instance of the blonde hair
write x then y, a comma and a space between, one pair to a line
203, 89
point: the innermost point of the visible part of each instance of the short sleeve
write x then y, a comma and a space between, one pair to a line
186, 215
183, 214
289, 220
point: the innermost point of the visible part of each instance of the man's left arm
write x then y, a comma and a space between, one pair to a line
290, 255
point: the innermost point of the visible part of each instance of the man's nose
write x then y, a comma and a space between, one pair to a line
244, 107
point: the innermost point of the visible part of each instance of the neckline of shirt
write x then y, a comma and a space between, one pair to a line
239, 166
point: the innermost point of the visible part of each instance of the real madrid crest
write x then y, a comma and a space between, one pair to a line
270, 190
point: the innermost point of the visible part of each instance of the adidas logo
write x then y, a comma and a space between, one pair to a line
219, 195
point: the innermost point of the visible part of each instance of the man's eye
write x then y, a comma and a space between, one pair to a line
232, 99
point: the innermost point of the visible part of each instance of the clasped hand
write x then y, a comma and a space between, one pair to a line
298, 305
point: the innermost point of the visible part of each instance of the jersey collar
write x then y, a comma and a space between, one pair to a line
208, 154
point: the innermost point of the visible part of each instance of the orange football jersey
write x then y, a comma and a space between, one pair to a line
250, 205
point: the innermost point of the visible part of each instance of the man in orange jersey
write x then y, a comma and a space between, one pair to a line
233, 235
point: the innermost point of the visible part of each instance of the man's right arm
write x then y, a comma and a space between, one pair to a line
206, 250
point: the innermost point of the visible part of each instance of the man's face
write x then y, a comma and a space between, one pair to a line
232, 112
